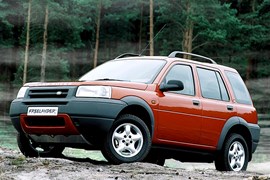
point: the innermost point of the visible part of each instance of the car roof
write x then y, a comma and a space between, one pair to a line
177, 59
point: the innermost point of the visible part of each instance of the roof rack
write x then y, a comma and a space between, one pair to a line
126, 55
174, 53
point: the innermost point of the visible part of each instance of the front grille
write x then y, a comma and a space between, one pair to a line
44, 121
45, 103
48, 93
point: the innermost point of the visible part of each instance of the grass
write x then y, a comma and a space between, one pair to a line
18, 161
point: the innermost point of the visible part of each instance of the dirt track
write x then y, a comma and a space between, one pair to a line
15, 166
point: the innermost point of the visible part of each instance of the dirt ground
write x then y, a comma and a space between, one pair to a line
13, 165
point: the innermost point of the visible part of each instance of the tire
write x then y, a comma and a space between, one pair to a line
31, 149
234, 155
155, 157
103, 152
128, 140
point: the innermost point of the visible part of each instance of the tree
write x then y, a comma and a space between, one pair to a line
196, 25
5, 26
97, 32
151, 30
27, 43
188, 31
253, 36
120, 27
44, 50
205, 27
140, 31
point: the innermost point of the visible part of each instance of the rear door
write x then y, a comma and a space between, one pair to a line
216, 105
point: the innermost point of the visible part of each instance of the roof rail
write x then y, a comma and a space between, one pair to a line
174, 53
126, 55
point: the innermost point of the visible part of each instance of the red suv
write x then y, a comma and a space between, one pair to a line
143, 108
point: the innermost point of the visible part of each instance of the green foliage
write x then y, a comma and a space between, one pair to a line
57, 67
172, 15
18, 161
214, 25
232, 32
46, 162
65, 23
6, 26
263, 16
219, 29
228, 32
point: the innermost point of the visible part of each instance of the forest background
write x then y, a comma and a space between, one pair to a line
60, 40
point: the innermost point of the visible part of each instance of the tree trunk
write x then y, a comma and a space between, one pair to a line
188, 33
44, 50
253, 5
97, 34
249, 68
251, 64
141, 25
73, 64
151, 28
26, 56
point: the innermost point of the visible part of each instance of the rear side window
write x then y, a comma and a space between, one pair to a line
239, 88
212, 86
223, 90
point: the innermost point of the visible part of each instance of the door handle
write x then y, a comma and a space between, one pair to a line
229, 107
196, 102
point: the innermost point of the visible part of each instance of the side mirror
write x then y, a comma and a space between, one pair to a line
172, 85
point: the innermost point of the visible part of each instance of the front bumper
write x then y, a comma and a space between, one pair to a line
90, 117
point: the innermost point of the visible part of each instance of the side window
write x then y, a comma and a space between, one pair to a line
223, 90
239, 88
182, 73
209, 84
212, 85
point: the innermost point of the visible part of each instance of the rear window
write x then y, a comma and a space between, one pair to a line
239, 88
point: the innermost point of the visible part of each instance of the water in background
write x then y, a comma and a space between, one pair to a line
7, 134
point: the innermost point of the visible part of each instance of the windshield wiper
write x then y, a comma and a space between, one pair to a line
108, 79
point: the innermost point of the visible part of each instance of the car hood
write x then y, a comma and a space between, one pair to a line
121, 84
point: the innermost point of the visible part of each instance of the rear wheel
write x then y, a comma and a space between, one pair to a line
32, 149
234, 155
128, 140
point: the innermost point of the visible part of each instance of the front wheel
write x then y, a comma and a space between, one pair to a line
31, 149
234, 155
128, 140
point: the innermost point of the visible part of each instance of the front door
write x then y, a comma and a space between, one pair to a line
179, 113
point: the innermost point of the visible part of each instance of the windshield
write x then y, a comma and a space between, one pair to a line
139, 70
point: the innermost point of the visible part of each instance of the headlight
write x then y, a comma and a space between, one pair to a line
94, 91
22, 92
